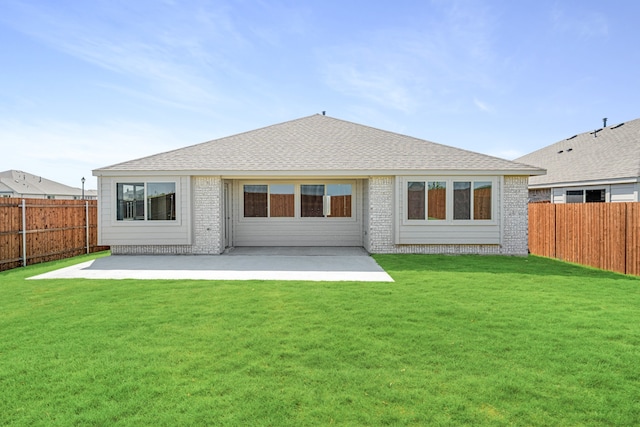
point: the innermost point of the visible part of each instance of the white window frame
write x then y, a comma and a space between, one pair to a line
449, 180
297, 197
146, 222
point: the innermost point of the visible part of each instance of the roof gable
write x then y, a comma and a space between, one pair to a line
608, 153
319, 143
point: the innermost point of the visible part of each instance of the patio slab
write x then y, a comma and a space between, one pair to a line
352, 264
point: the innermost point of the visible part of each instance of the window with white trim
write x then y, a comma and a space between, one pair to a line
449, 200
313, 200
151, 201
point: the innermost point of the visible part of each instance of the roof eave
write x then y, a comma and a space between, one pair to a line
626, 180
321, 172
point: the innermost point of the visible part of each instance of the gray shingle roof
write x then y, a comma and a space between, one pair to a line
319, 143
614, 153
28, 184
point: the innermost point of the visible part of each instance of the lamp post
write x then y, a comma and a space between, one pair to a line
83, 180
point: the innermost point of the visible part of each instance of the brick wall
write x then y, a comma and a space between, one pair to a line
207, 215
515, 215
380, 212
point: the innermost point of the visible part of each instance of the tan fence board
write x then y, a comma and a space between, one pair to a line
601, 235
55, 230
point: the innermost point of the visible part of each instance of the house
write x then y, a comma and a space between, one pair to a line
602, 165
15, 183
315, 181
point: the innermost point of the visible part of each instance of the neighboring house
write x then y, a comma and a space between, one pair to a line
315, 181
598, 166
14, 183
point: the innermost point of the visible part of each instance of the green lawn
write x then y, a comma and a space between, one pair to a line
454, 341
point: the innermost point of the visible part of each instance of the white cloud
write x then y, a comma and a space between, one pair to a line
180, 59
482, 106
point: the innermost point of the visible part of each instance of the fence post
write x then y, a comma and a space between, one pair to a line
24, 233
86, 211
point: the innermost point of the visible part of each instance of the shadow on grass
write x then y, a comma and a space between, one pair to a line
493, 264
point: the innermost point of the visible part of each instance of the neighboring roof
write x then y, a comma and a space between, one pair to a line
28, 184
319, 144
612, 153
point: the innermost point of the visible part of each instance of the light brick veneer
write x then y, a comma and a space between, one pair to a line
207, 217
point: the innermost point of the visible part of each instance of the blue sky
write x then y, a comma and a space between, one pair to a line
85, 84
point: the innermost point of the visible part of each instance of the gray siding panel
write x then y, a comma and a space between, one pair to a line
623, 193
297, 231
453, 234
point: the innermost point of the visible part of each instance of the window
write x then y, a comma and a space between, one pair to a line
255, 201
437, 200
311, 203
275, 200
595, 196
315, 200
415, 200
160, 198
338, 200
450, 200
482, 200
281, 200
574, 196
161, 201
462, 200
585, 196
330, 200
130, 202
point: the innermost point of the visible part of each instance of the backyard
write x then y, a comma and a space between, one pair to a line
455, 341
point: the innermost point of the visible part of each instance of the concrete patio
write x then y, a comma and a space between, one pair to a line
247, 263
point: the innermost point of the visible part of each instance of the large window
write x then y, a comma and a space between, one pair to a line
153, 201
255, 201
437, 200
326, 200
481, 200
311, 201
586, 196
449, 200
282, 200
415, 200
275, 200
462, 200
338, 201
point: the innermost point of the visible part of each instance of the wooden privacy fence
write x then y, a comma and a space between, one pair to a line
601, 235
40, 230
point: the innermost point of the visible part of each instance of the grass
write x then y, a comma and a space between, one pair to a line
454, 341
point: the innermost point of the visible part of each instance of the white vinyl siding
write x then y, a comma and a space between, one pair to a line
297, 230
448, 231
114, 232
627, 192
624, 193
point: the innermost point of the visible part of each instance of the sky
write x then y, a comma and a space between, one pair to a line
87, 84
